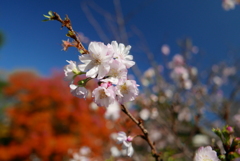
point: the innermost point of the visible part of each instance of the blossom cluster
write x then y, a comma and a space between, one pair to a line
108, 64
180, 73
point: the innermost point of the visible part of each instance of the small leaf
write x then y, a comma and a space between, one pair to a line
50, 13
47, 16
81, 51
45, 20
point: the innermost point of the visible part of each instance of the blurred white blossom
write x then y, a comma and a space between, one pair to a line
206, 153
126, 142
165, 49
113, 111
144, 114
228, 4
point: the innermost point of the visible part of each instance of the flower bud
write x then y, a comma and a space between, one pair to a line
217, 132
222, 157
236, 143
82, 83
230, 129
129, 138
231, 155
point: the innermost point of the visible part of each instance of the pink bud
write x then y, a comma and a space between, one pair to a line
129, 139
230, 129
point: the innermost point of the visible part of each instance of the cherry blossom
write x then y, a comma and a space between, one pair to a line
113, 111
121, 53
127, 142
126, 91
206, 153
78, 91
116, 73
96, 63
180, 73
228, 4
165, 49
82, 154
178, 60
70, 71
104, 95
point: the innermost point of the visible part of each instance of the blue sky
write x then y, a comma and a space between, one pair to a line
33, 44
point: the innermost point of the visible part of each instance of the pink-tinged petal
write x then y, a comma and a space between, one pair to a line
102, 98
77, 91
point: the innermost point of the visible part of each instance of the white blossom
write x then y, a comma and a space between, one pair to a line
165, 49
113, 111
200, 140
178, 60
217, 80
184, 115
104, 95
127, 142
228, 4
126, 91
187, 84
93, 106
78, 91
70, 71
115, 152
121, 53
144, 114
180, 72
96, 63
149, 73
117, 72
206, 153
82, 154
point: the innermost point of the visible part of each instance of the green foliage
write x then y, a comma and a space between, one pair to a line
49, 16
2, 85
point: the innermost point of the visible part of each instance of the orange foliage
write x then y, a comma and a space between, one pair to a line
47, 121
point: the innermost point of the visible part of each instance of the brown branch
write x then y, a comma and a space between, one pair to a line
67, 23
145, 135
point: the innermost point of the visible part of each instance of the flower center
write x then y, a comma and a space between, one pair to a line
124, 89
206, 158
102, 94
97, 62
113, 73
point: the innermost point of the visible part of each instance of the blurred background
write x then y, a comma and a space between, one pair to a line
186, 55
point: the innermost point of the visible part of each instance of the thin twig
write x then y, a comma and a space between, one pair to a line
67, 23
144, 131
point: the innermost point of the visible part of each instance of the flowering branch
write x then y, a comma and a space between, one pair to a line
145, 132
71, 33
108, 64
